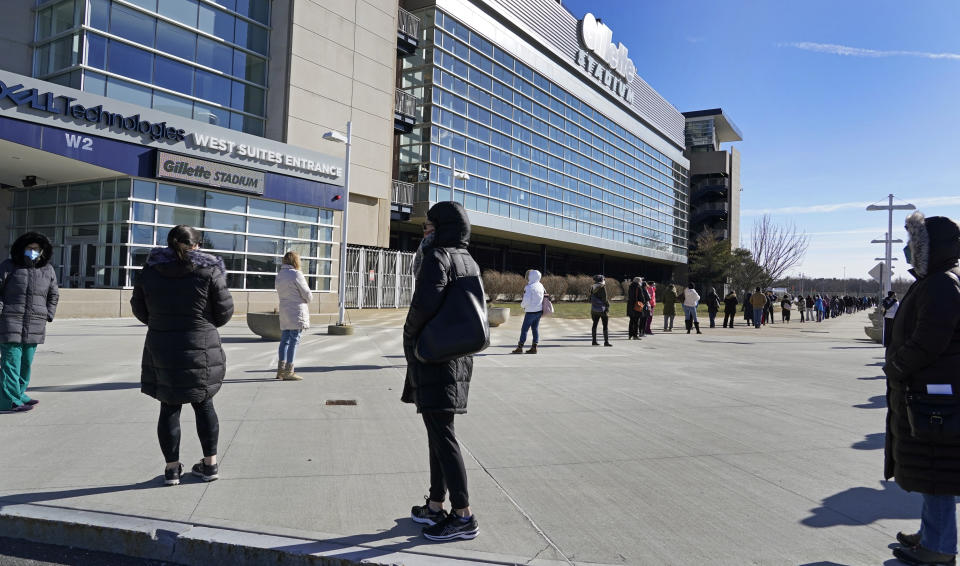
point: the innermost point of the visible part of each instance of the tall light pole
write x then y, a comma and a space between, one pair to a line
340, 327
888, 238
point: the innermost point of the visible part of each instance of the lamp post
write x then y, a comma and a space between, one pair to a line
888, 239
340, 327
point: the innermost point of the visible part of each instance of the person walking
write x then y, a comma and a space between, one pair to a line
786, 304
599, 307
690, 301
801, 306
713, 306
648, 315
921, 365
440, 390
669, 297
638, 302
730, 303
532, 305
295, 298
181, 295
28, 301
759, 302
889, 307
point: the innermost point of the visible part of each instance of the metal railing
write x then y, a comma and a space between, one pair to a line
377, 278
402, 193
405, 103
408, 23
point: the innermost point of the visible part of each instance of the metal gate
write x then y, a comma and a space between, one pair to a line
377, 278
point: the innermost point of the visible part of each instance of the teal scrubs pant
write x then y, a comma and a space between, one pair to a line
15, 362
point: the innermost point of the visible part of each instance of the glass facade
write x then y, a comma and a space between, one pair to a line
201, 59
534, 152
102, 231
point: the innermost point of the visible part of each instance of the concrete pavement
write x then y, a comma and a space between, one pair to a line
733, 447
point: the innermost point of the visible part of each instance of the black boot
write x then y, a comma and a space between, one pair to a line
689, 324
519, 349
697, 324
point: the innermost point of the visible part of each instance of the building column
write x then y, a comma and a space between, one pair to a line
503, 258
603, 264
543, 258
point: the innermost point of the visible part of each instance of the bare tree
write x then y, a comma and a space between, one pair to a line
777, 248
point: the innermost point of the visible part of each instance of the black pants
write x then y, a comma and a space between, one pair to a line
729, 317
446, 464
785, 315
168, 429
598, 316
887, 330
635, 328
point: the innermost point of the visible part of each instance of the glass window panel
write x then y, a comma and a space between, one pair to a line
219, 241
129, 61
251, 36
172, 104
249, 67
94, 83
142, 234
144, 189
183, 11
62, 53
265, 246
216, 22
96, 50
213, 87
302, 213
303, 248
214, 54
173, 75
132, 25
266, 208
82, 192
247, 98
259, 281
176, 216
221, 221
222, 201
61, 17
258, 10
233, 262
228, 4
304, 231
263, 226
43, 23
325, 250
181, 195
211, 114
141, 211
247, 124
176, 40
40, 216
147, 4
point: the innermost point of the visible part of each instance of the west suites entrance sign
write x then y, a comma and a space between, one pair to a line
604, 61
33, 100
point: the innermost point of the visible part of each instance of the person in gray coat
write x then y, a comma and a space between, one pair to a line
295, 297
28, 301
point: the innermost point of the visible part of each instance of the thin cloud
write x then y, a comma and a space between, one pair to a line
835, 49
835, 207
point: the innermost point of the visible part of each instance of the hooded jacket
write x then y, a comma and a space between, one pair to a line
713, 300
28, 292
925, 349
533, 293
637, 293
730, 303
443, 386
182, 305
669, 300
294, 296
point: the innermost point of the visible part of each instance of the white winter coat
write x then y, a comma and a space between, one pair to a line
294, 294
533, 293
690, 297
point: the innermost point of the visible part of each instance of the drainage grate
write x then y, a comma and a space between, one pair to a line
341, 402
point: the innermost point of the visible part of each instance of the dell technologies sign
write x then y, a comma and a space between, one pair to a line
604, 61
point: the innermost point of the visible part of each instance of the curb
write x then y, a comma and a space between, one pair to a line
193, 545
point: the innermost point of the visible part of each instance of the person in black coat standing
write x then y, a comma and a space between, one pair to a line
730, 303
713, 306
28, 301
923, 358
638, 301
440, 390
182, 297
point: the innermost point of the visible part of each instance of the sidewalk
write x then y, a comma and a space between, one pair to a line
734, 447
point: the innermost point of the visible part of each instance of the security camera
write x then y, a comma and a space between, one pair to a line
29, 181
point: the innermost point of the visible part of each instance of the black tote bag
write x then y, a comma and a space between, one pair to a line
460, 327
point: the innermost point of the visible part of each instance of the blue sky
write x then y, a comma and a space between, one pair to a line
840, 104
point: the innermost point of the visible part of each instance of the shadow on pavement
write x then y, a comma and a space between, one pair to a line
403, 528
874, 377
875, 402
244, 339
108, 386
873, 441
326, 369
824, 564
43, 496
863, 505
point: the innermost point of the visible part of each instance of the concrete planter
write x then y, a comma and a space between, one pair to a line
874, 333
498, 315
265, 325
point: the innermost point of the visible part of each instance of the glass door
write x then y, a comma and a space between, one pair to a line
79, 263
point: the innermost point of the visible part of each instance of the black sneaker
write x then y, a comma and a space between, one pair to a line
452, 527
205, 472
424, 515
908, 539
919, 556
171, 476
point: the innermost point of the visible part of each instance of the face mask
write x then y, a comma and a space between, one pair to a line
906, 254
32, 254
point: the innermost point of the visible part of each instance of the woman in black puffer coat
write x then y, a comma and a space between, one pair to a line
440, 390
182, 297
28, 300
924, 357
